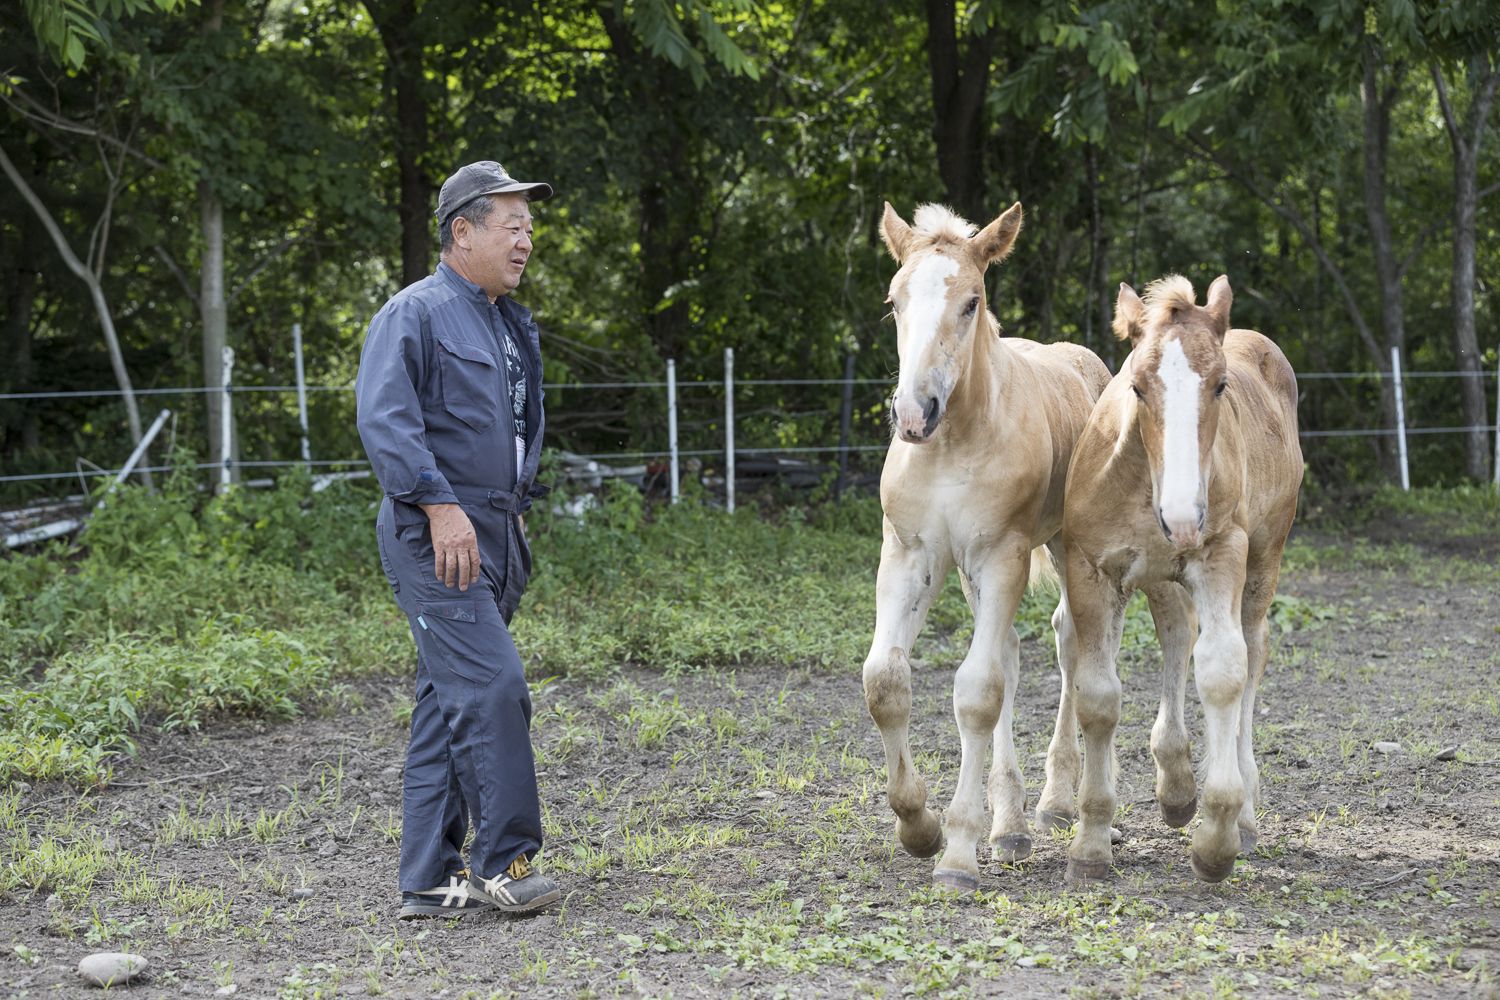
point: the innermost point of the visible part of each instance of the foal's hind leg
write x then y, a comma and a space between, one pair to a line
1054, 810
1261, 572
1257, 650
909, 577
1176, 628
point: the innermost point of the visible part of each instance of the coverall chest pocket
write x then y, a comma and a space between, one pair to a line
471, 383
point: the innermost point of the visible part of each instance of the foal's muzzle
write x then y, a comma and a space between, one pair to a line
916, 425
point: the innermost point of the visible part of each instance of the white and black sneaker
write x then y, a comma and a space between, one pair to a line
456, 899
517, 890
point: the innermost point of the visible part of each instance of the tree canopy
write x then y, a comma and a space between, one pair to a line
720, 168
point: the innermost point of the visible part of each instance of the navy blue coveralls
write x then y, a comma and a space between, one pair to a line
435, 417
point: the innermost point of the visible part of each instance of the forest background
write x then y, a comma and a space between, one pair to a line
184, 176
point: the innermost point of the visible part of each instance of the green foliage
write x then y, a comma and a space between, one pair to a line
66, 28
180, 607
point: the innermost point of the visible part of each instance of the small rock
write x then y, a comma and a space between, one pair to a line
54, 901
227, 991
765, 793
302, 892
111, 968
1448, 753
20, 788
1302, 763
328, 850
1026, 962
1385, 805
667, 694
1116, 835
1385, 746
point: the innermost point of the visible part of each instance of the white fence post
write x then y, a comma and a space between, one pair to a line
1497, 425
225, 419
729, 427
301, 394
1400, 416
672, 420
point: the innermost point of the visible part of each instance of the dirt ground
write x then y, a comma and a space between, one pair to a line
726, 834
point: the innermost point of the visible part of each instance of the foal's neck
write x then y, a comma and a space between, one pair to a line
975, 402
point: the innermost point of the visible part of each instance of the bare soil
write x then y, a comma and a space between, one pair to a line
726, 834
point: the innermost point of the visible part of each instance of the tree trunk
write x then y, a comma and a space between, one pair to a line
20, 298
215, 316
399, 34
1377, 124
1467, 138
959, 84
668, 195
96, 296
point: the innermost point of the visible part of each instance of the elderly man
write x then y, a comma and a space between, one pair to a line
450, 412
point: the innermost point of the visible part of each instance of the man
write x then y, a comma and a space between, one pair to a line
450, 411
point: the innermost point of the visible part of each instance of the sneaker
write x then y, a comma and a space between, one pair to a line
455, 899
518, 889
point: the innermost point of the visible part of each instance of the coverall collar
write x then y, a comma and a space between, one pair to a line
462, 283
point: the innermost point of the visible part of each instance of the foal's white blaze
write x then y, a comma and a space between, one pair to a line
920, 321
1181, 476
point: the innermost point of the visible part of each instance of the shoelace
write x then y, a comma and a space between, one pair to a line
519, 868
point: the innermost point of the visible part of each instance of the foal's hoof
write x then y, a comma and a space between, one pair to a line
1178, 817
1052, 822
922, 837
1011, 847
1248, 840
1211, 872
1086, 872
956, 880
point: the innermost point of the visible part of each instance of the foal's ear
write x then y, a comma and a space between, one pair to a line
895, 232
993, 243
1219, 300
1128, 308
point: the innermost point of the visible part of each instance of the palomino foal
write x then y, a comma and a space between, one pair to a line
984, 429
1184, 486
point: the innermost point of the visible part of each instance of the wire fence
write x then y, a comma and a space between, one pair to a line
729, 387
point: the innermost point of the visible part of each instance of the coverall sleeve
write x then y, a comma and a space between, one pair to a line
389, 407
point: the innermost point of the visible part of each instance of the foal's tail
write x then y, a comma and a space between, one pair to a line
1044, 575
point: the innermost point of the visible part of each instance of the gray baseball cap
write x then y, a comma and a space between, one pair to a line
481, 178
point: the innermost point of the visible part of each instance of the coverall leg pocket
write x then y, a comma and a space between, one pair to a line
452, 639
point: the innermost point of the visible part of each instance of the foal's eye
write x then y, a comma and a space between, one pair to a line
1223, 384
1137, 390
971, 305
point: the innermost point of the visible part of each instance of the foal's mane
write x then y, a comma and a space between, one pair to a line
935, 224
1166, 296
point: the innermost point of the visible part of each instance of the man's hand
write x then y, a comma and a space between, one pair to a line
455, 550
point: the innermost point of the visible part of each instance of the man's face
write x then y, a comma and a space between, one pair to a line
497, 252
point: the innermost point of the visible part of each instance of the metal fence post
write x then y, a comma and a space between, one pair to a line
1497, 425
301, 394
672, 420
225, 417
1400, 416
729, 428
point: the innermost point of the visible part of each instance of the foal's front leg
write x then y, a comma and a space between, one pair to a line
982, 688
909, 577
1220, 659
1098, 615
